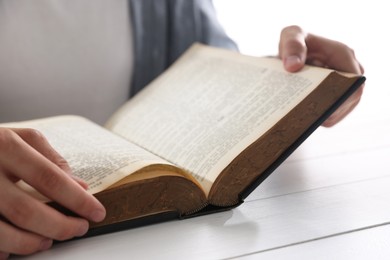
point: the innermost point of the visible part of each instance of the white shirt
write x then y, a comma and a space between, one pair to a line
64, 57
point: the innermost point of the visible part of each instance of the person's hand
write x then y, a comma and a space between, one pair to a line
297, 48
28, 225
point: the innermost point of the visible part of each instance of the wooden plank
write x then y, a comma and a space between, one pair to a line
297, 176
371, 243
354, 137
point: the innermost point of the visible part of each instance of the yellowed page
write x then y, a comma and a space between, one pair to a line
94, 154
210, 106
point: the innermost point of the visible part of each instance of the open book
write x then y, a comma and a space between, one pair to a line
200, 137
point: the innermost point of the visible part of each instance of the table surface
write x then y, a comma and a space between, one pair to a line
328, 200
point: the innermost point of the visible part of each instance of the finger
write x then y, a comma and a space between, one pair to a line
17, 241
80, 181
4, 255
361, 68
332, 54
32, 215
292, 48
29, 165
39, 142
344, 109
328, 53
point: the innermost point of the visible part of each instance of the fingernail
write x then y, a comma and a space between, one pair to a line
82, 229
97, 215
292, 61
46, 244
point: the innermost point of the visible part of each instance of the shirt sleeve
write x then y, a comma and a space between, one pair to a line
164, 29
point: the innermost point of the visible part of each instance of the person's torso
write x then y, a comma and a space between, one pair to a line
64, 57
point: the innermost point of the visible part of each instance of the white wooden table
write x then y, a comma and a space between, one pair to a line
329, 200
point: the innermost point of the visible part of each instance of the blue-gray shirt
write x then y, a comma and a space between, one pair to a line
164, 29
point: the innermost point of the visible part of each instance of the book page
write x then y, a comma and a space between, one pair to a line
94, 154
209, 106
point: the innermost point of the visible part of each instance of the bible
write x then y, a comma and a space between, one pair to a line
199, 138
